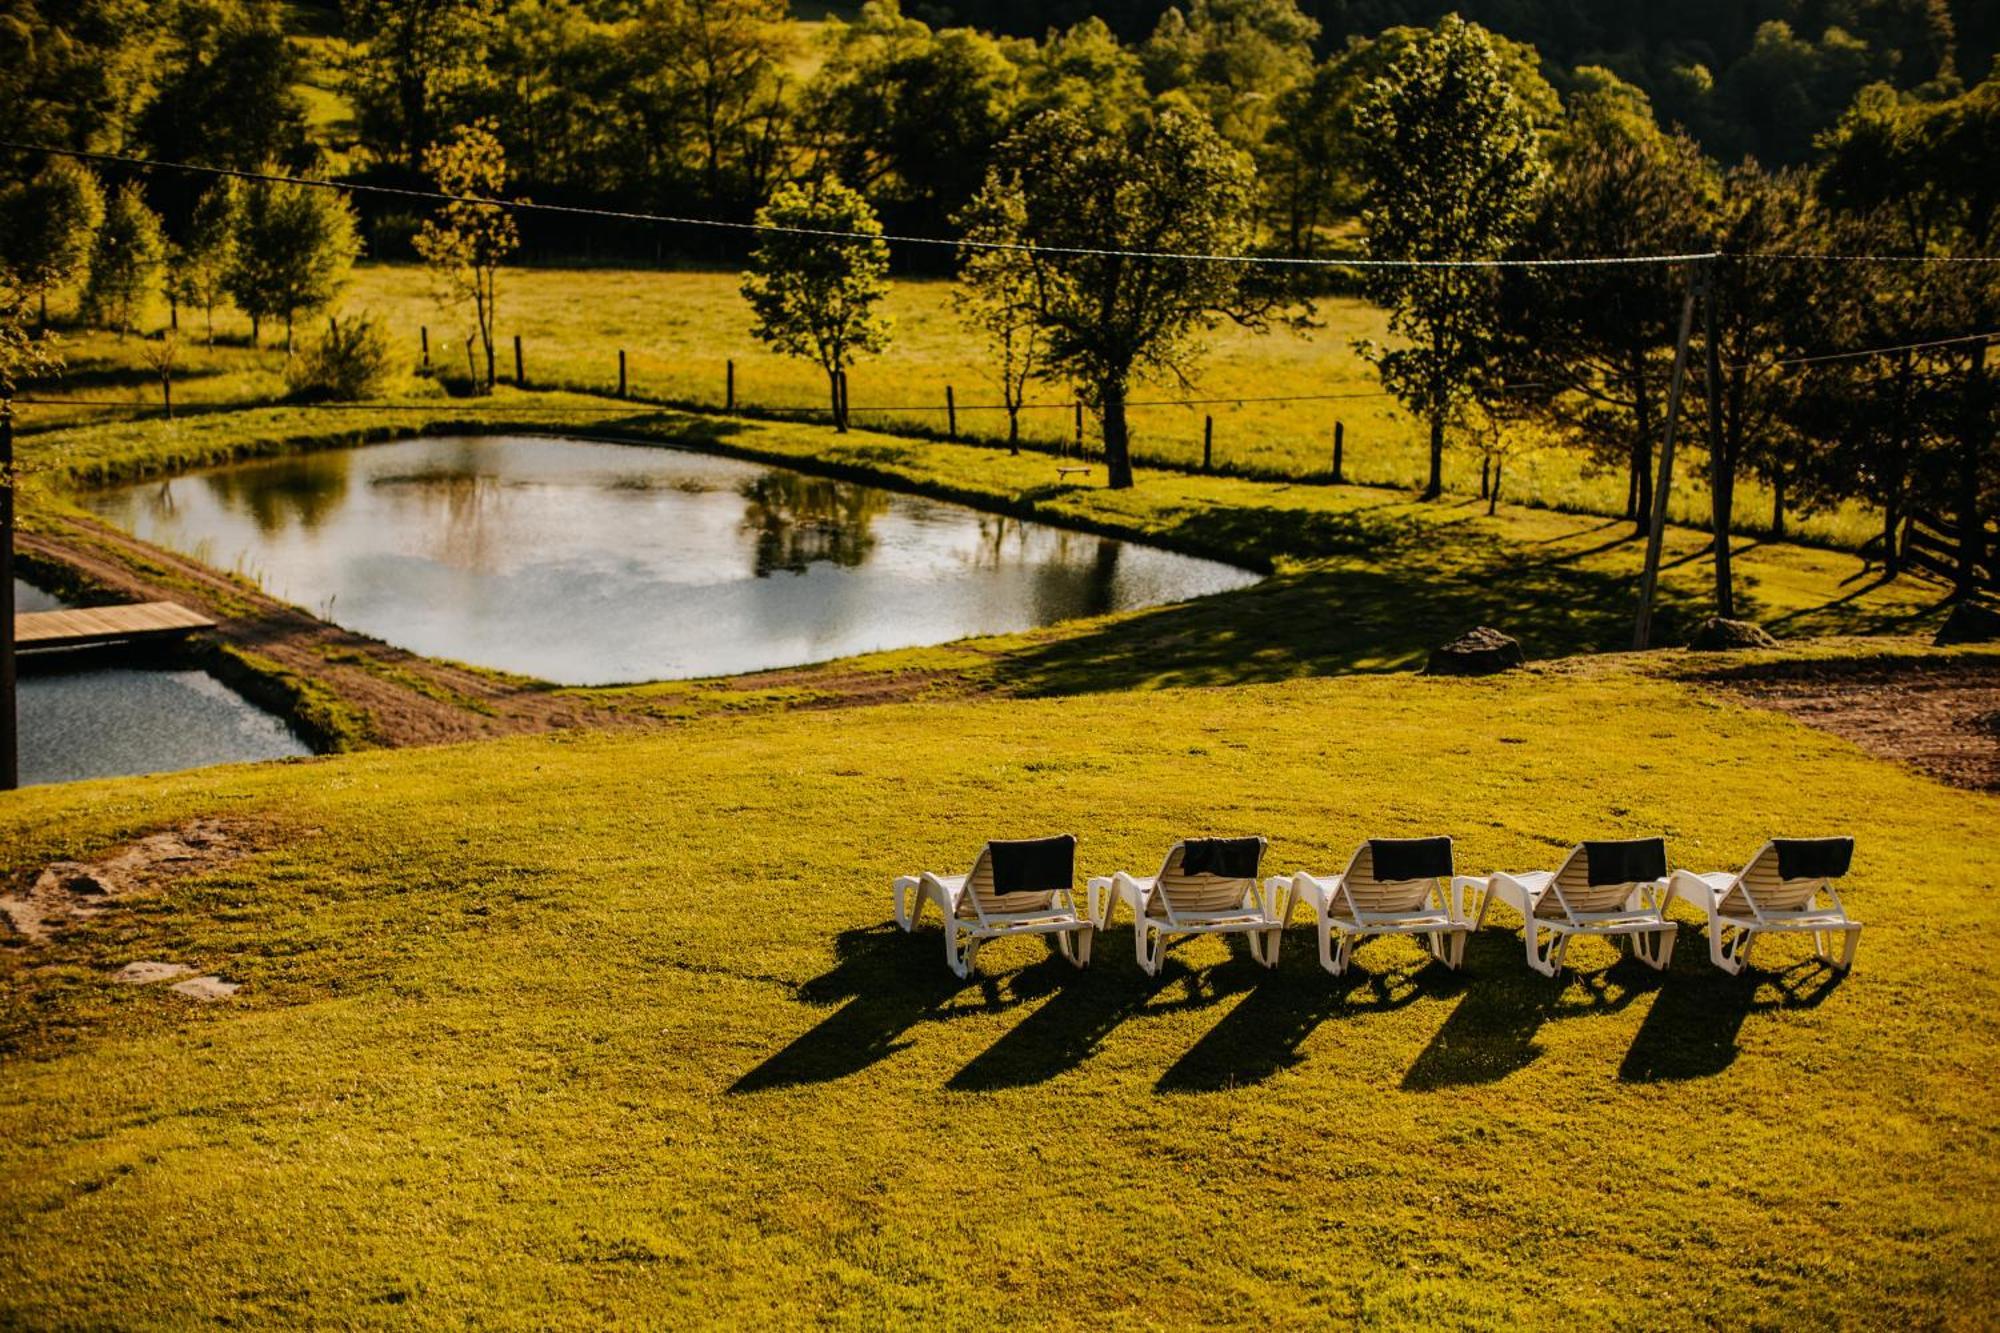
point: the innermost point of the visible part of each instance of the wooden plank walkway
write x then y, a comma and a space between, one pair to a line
85, 626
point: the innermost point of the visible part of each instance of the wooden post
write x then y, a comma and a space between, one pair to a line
1207, 443
520, 376
950, 414
621, 372
1642, 631
1339, 441
10, 732
729, 389
424, 333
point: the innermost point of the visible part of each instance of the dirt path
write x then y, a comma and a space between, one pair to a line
1941, 717
404, 699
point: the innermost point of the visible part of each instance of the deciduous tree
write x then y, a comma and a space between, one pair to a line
1452, 172
814, 296
996, 295
47, 225
295, 246
124, 261
1156, 196
465, 243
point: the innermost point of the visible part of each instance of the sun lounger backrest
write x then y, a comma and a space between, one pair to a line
1209, 874
1421, 862
1034, 869
1811, 863
1600, 876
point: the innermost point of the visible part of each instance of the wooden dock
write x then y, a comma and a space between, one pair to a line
88, 626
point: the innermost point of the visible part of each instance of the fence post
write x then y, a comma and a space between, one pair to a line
1339, 439
621, 372
1207, 443
729, 389
520, 377
424, 333
950, 414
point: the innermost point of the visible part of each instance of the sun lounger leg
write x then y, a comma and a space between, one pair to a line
1655, 948
1823, 942
1075, 944
1728, 950
910, 899
959, 956
1546, 960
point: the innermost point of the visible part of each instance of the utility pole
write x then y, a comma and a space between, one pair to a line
1642, 633
10, 728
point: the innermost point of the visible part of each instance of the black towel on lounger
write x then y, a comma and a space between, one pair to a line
1034, 865
1813, 858
1399, 859
1225, 858
1636, 861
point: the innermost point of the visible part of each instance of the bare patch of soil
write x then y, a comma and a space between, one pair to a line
68, 892
1941, 717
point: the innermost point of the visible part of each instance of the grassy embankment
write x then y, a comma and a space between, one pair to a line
1362, 580
680, 328
611, 1029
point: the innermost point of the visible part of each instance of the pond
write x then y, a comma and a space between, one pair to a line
588, 563
86, 715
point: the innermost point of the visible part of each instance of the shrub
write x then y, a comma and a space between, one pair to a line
350, 362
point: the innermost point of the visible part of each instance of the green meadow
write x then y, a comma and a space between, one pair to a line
681, 329
616, 1030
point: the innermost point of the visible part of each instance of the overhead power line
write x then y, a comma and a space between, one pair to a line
954, 243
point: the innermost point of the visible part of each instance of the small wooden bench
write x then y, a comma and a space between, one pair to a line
1062, 471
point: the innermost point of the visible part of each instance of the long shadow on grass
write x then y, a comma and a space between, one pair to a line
1348, 615
1492, 1033
1261, 1036
888, 991
1692, 1029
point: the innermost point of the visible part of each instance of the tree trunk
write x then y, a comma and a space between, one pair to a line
1435, 486
1642, 462
1778, 505
288, 333
1485, 475
1013, 429
1892, 556
45, 308
1721, 457
833, 393
256, 328
1117, 444
487, 340
210, 313
167, 393
1493, 496
1974, 443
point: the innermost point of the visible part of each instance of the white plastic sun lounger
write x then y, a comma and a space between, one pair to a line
1777, 891
1614, 889
1206, 886
1392, 886
1014, 888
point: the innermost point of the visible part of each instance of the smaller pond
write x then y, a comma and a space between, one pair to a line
83, 715
587, 563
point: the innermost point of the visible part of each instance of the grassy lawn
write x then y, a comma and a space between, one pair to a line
679, 329
613, 1030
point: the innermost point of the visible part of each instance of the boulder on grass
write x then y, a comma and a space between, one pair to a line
1716, 635
1969, 622
1479, 652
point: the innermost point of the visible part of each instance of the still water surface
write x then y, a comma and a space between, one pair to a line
589, 563
89, 719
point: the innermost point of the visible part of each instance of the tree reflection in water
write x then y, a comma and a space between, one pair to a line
797, 521
304, 489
